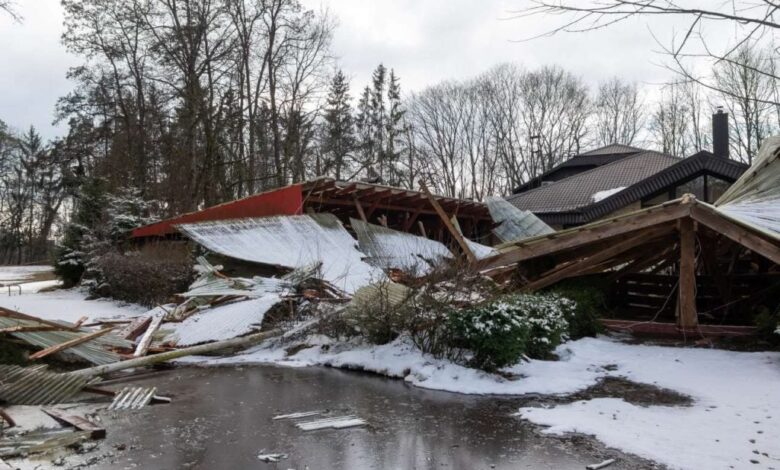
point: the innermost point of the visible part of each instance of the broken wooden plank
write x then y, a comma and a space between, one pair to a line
580, 236
78, 422
333, 423
8, 313
146, 339
134, 329
577, 266
41, 442
80, 321
446, 220
7, 418
599, 466
28, 329
69, 344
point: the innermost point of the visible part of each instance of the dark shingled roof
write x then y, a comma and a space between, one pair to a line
578, 190
679, 171
585, 161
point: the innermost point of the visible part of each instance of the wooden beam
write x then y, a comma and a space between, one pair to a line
146, 339
723, 225
422, 228
581, 236
359, 207
82, 424
69, 344
446, 220
411, 220
8, 313
572, 269
134, 329
687, 317
28, 329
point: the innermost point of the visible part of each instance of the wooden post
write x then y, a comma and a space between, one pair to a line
359, 207
443, 215
687, 317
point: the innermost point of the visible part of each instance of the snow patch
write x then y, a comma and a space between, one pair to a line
601, 195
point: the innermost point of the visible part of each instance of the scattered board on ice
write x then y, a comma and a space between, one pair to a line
331, 423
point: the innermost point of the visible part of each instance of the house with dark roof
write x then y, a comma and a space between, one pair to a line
618, 178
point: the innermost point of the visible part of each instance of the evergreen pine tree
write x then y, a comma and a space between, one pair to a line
339, 138
394, 131
71, 253
378, 117
363, 124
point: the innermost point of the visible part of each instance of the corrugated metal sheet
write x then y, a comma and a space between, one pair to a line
292, 241
755, 198
514, 224
390, 249
94, 351
37, 386
133, 398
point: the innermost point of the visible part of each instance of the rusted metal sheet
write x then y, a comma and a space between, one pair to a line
37, 386
133, 398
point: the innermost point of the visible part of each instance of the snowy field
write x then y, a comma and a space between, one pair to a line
68, 305
14, 274
731, 425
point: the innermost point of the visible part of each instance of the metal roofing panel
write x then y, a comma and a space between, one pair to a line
514, 224
300, 241
391, 249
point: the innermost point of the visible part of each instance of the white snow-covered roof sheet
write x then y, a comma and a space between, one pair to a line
514, 223
222, 322
754, 198
387, 248
297, 241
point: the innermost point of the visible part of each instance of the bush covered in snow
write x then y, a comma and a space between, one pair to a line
148, 277
500, 332
589, 304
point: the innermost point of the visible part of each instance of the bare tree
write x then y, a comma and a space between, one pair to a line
751, 20
746, 92
7, 6
670, 123
617, 112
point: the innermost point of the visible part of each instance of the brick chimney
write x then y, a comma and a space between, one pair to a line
720, 133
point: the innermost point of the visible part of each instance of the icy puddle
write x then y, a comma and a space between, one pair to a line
222, 417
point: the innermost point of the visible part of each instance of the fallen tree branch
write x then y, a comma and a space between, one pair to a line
242, 342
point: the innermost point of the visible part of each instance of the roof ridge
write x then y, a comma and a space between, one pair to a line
615, 144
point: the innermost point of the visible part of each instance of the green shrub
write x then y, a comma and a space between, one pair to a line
590, 304
500, 332
767, 326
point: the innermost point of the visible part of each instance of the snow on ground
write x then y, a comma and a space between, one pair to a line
66, 304
733, 416
731, 425
13, 274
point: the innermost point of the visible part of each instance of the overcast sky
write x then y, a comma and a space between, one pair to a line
425, 41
